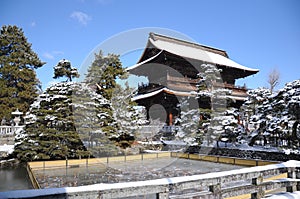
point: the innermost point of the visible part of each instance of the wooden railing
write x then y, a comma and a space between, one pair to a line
187, 84
211, 185
9, 130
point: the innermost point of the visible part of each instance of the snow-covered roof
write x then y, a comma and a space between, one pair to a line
190, 50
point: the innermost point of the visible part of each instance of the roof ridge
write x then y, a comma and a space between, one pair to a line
156, 36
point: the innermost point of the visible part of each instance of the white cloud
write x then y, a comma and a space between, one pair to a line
103, 1
81, 17
33, 24
52, 55
48, 55
57, 52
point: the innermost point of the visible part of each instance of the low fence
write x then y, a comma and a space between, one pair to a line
211, 185
222, 159
9, 130
93, 161
33, 168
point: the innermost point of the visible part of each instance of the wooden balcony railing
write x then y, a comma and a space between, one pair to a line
186, 84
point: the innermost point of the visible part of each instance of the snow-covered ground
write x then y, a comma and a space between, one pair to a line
285, 195
7, 148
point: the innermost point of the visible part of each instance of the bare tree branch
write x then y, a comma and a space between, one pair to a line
273, 79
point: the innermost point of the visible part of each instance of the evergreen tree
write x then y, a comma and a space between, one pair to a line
64, 68
103, 73
128, 116
188, 123
210, 89
274, 119
94, 121
18, 81
62, 122
211, 86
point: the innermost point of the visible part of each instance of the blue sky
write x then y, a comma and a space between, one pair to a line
263, 34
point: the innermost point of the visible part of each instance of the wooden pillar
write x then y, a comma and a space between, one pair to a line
147, 112
170, 119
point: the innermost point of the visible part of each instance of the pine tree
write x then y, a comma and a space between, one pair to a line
18, 81
274, 118
210, 90
127, 115
63, 122
188, 123
64, 68
103, 73
94, 121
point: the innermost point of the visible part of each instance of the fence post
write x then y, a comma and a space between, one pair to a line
260, 193
164, 195
66, 162
216, 190
291, 174
297, 170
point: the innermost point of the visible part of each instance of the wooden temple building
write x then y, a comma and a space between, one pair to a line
172, 67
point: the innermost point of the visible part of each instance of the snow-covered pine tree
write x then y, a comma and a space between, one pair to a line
275, 117
18, 82
283, 116
50, 132
103, 72
211, 90
127, 114
102, 76
94, 121
188, 124
65, 121
64, 68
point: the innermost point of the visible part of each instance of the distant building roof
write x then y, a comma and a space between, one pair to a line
189, 50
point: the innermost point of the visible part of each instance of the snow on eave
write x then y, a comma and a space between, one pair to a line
237, 98
167, 90
143, 62
178, 93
